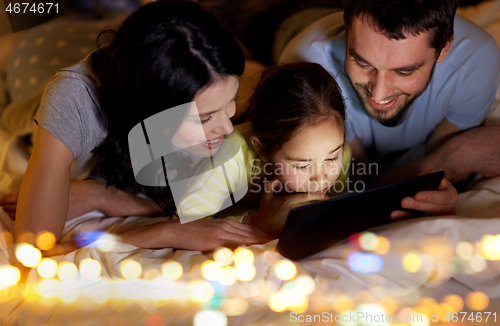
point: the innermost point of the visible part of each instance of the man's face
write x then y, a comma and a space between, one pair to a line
388, 74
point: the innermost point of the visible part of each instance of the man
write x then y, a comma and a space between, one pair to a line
414, 77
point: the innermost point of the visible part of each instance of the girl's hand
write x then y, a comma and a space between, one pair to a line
432, 202
202, 235
273, 211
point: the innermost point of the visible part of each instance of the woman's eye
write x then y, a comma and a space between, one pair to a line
206, 120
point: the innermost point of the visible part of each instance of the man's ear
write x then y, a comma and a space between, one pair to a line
445, 50
257, 145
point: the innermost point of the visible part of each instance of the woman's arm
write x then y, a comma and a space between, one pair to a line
44, 194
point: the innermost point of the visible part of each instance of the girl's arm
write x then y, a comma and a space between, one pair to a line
44, 194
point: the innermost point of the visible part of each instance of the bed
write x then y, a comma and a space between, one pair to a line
424, 271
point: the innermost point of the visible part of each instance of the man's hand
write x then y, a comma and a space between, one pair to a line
473, 151
432, 202
202, 235
274, 211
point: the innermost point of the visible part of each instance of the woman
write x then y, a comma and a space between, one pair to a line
166, 54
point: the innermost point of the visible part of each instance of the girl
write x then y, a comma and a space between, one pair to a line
166, 54
297, 131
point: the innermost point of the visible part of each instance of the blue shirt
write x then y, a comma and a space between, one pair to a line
462, 88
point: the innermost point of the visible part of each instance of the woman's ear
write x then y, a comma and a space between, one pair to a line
257, 145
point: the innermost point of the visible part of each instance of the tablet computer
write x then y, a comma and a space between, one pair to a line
315, 227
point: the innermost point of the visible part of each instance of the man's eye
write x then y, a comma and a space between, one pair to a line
361, 65
405, 73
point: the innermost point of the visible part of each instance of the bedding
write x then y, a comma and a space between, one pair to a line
429, 267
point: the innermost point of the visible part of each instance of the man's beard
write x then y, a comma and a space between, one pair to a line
380, 114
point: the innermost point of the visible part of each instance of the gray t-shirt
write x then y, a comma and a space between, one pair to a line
71, 112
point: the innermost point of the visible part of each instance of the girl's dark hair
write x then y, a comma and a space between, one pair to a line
290, 97
161, 57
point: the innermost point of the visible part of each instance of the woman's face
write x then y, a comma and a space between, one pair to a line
312, 160
203, 130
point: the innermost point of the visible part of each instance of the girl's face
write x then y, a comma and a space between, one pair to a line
312, 160
203, 130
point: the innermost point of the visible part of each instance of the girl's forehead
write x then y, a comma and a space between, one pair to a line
314, 140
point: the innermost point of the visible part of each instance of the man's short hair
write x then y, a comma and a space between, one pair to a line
397, 18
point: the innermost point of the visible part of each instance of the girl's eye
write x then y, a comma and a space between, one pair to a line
333, 159
301, 167
206, 120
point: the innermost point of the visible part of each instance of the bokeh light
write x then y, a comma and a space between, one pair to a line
465, 250
47, 268
228, 276
211, 270
455, 301
368, 241
223, 256
411, 262
210, 318
276, 302
200, 291
383, 247
234, 307
67, 271
242, 255
491, 247
48, 288
9, 275
45, 240
389, 304
285, 270
130, 269
364, 262
7, 238
477, 300
245, 271
171, 270
342, 304
306, 284
477, 263
90, 269
28, 255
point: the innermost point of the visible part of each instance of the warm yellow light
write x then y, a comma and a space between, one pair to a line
411, 262
276, 302
9, 275
477, 301
245, 271
67, 271
171, 270
223, 256
454, 301
368, 241
7, 238
389, 304
200, 291
69, 292
300, 305
285, 270
306, 284
228, 276
131, 269
234, 307
491, 247
47, 268
342, 304
383, 246
209, 318
242, 255
28, 255
48, 288
45, 240
477, 263
101, 294
211, 270
443, 310
90, 269
465, 250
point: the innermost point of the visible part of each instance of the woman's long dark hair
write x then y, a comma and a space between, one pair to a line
161, 57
